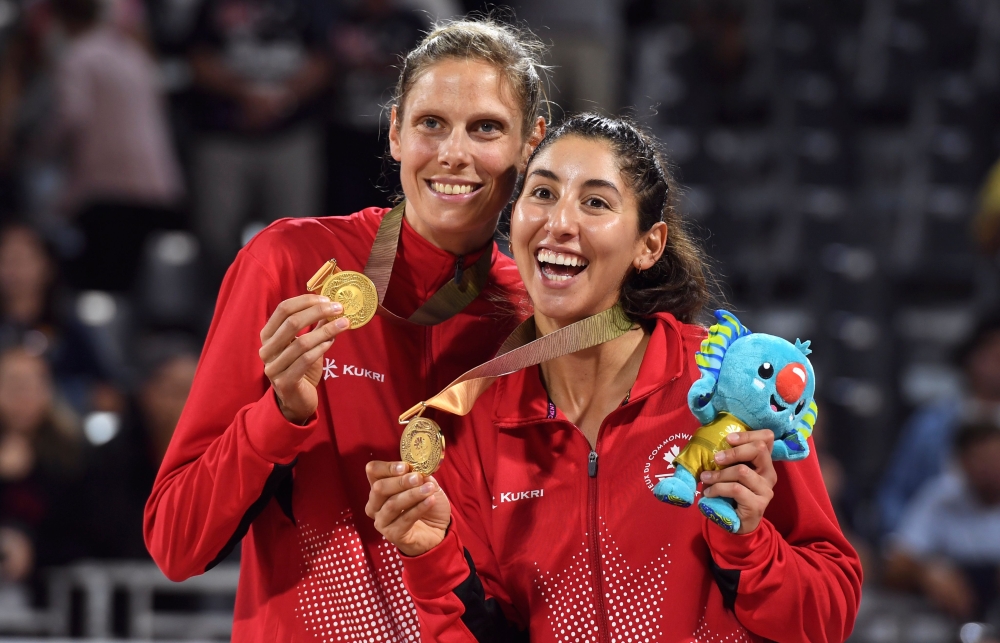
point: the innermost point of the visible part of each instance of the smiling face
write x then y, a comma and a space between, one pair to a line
575, 231
460, 144
766, 382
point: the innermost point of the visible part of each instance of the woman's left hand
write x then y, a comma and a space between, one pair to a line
747, 476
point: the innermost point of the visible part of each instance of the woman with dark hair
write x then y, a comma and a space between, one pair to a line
542, 522
272, 445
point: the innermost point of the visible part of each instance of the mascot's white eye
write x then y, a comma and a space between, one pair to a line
766, 370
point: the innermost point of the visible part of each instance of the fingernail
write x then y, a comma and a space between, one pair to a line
399, 468
342, 323
720, 457
706, 476
336, 308
412, 479
427, 488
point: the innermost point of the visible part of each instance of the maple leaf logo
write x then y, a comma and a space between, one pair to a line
671, 455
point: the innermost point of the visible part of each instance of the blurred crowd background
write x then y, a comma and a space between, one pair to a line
837, 159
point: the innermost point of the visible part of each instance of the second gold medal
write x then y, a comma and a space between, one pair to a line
422, 445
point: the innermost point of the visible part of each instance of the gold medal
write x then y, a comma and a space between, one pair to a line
352, 290
355, 292
422, 445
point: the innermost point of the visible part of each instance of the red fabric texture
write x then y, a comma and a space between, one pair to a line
328, 575
578, 558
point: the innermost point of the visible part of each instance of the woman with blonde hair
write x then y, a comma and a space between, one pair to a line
272, 445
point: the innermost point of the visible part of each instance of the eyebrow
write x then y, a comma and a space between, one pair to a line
590, 183
549, 174
601, 183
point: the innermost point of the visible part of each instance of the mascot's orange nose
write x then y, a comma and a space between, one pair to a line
791, 382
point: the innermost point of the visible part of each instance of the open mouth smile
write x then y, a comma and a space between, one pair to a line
560, 266
452, 188
775, 406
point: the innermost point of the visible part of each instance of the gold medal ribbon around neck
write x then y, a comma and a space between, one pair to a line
362, 293
422, 444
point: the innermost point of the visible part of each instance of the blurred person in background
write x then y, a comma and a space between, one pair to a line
122, 473
26, 109
367, 43
924, 445
41, 466
947, 545
123, 180
259, 67
30, 317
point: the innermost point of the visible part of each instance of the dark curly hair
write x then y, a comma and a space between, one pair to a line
679, 283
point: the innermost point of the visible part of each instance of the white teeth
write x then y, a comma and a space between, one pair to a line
559, 259
448, 188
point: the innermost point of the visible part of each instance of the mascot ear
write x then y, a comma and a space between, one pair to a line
700, 399
803, 347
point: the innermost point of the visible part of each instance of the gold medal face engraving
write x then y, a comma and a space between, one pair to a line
422, 445
356, 293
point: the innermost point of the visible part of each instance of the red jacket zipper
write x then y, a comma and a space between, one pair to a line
595, 540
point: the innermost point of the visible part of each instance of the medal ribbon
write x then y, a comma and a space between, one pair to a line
521, 351
444, 304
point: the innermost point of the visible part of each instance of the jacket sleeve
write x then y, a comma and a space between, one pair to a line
794, 578
457, 586
232, 450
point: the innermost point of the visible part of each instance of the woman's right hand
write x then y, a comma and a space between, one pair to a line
293, 362
409, 509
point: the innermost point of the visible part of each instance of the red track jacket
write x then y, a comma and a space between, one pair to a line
556, 541
313, 568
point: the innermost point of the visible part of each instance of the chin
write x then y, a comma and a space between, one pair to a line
559, 310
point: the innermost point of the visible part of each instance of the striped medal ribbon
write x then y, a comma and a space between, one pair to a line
422, 443
362, 293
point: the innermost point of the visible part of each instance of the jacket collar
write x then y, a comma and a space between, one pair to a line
521, 398
420, 269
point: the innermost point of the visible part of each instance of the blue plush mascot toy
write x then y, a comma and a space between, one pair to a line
748, 382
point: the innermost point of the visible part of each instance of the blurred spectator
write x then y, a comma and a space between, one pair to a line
924, 444
26, 108
41, 464
948, 542
121, 477
260, 66
367, 41
29, 318
123, 179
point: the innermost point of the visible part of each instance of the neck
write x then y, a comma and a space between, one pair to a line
589, 384
457, 243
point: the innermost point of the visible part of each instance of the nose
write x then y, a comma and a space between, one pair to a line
453, 152
562, 222
792, 382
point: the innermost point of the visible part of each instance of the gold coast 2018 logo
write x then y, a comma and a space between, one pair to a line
660, 463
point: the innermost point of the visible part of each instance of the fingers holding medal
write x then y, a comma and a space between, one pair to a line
422, 445
354, 291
